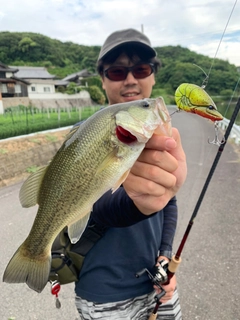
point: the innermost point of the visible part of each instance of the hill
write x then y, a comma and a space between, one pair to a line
63, 58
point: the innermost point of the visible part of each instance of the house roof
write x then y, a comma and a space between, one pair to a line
41, 81
7, 80
5, 68
20, 80
80, 74
13, 79
33, 73
61, 83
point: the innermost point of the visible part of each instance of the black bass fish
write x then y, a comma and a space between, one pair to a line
95, 157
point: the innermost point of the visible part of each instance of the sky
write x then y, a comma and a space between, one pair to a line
198, 25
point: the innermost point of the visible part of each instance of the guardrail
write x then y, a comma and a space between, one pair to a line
235, 132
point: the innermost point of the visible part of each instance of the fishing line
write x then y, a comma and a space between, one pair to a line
205, 81
230, 101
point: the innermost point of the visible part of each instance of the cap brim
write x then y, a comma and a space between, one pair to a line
149, 52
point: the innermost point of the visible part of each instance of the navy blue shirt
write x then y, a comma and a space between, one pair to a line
131, 243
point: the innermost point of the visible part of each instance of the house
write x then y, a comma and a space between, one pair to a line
35, 86
79, 77
12, 85
40, 81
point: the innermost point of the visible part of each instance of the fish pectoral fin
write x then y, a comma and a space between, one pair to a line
71, 133
29, 191
120, 181
107, 161
76, 229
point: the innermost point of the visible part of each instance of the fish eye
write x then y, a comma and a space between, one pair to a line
146, 104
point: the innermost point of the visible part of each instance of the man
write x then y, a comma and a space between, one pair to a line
141, 216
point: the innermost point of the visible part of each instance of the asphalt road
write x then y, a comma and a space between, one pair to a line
208, 277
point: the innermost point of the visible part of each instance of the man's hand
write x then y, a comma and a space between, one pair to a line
169, 288
158, 173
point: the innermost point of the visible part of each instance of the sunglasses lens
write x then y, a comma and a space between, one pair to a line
139, 71
142, 71
117, 73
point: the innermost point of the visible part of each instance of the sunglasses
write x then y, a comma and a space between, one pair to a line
139, 71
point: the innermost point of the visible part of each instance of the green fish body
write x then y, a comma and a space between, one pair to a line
95, 157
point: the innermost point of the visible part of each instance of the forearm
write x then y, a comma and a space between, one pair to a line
169, 228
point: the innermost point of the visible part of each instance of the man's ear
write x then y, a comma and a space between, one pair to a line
154, 82
103, 84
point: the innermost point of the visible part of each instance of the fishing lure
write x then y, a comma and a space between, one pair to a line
192, 98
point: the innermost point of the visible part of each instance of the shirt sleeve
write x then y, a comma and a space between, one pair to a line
169, 228
116, 210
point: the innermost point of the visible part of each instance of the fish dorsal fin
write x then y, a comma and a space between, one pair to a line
29, 191
76, 229
120, 181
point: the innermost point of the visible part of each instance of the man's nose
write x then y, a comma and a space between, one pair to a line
130, 78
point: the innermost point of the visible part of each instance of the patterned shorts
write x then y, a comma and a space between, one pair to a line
139, 308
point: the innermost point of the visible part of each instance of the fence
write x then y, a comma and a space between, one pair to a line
235, 132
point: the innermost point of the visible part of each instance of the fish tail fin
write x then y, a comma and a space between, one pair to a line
24, 269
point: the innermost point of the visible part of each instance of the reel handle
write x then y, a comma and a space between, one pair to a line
172, 268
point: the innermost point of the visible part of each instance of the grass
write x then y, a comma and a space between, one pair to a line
35, 141
32, 169
22, 120
51, 138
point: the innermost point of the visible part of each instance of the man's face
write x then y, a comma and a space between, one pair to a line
129, 89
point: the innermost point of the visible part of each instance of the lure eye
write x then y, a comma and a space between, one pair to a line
211, 108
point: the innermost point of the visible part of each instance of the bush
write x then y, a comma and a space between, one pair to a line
96, 94
61, 89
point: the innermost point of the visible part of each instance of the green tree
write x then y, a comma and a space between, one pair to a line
26, 43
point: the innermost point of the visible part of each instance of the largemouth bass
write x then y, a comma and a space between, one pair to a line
192, 98
95, 157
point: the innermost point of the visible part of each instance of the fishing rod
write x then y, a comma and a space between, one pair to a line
176, 259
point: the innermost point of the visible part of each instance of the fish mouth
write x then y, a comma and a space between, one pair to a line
124, 135
208, 112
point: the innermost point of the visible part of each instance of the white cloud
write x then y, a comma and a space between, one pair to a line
196, 24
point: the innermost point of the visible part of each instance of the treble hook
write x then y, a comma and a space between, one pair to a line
216, 141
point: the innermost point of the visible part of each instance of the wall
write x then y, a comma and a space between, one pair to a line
13, 165
39, 88
13, 102
59, 96
52, 100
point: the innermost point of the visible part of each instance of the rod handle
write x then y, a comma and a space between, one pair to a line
172, 268
174, 264
152, 316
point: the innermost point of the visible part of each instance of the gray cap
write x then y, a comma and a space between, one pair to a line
119, 38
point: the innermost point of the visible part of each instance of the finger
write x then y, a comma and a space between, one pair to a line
162, 159
153, 175
142, 186
178, 152
168, 295
161, 143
